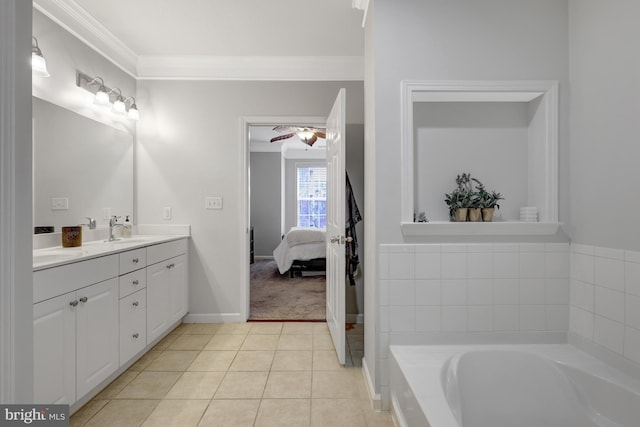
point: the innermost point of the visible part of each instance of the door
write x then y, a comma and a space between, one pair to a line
336, 273
97, 340
54, 350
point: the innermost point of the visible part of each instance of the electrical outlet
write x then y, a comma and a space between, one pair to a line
59, 203
166, 212
213, 203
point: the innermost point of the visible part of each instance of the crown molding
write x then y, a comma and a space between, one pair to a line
268, 68
71, 16
76, 20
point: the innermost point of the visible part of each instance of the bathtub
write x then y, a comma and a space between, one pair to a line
553, 385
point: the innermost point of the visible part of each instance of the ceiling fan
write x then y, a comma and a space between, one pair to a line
307, 134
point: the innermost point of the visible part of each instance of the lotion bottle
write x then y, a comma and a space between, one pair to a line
126, 229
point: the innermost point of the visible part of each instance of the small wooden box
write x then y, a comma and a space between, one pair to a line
71, 236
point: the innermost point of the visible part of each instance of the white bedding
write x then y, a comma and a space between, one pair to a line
300, 244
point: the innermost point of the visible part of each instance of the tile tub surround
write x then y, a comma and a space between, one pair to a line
470, 291
242, 374
605, 300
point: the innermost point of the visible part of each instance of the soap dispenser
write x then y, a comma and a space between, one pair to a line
126, 229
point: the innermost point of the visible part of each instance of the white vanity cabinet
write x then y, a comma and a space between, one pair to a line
167, 290
133, 303
75, 332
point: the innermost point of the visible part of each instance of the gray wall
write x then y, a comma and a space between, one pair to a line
605, 200
265, 201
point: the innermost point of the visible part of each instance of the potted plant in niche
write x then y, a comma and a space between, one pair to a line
489, 204
476, 203
457, 201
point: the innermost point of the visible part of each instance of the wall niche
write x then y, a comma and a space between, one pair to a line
503, 133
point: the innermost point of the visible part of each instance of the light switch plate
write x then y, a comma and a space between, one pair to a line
213, 203
59, 203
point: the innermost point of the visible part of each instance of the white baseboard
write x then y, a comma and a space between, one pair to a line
355, 318
374, 398
214, 318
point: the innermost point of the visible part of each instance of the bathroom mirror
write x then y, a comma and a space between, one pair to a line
81, 168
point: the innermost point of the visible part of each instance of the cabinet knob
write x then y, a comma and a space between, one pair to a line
135, 260
171, 265
136, 303
83, 299
73, 303
135, 282
135, 336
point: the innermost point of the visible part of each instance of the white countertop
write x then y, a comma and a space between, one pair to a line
56, 256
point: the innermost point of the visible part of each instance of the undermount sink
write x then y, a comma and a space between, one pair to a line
131, 241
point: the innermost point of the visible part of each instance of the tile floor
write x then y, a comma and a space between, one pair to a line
241, 374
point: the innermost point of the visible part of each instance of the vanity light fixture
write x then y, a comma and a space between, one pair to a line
38, 63
133, 113
118, 105
103, 94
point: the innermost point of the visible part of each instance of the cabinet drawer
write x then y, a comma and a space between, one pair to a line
157, 253
133, 325
56, 281
133, 260
132, 282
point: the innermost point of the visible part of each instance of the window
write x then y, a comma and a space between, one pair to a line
311, 194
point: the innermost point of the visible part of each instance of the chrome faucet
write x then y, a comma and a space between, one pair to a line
112, 225
91, 224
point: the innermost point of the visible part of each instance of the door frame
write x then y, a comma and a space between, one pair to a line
243, 230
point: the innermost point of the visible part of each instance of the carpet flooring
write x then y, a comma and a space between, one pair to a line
276, 296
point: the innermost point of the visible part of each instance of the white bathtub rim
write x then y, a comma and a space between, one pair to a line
430, 393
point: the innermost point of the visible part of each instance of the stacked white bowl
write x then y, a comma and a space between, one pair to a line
529, 214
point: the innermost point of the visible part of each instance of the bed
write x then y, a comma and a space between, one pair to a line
301, 249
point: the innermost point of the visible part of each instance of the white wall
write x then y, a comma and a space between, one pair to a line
188, 148
444, 40
16, 290
605, 107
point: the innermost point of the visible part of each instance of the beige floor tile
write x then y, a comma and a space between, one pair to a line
258, 360
116, 386
337, 413
320, 328
295, 342
269, 328
260, 342
292, 360
284, 413
178, 413
334, 385
322, 342
225, 342
196, 385
218, 360
145, 360
166, 341
298, 328
85, 413
287, 384
234, 328
149, 385
190, 342
232, 413
172, 360
242, 385
326, 360
123, 413
200, 328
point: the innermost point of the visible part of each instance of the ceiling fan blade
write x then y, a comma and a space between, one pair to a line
281, 137
319, 134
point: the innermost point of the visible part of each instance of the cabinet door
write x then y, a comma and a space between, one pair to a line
54, 345
97, 334
158, 305
178, 290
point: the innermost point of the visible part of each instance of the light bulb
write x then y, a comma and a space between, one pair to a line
134, 114
39, 65
102, 97
119, 107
